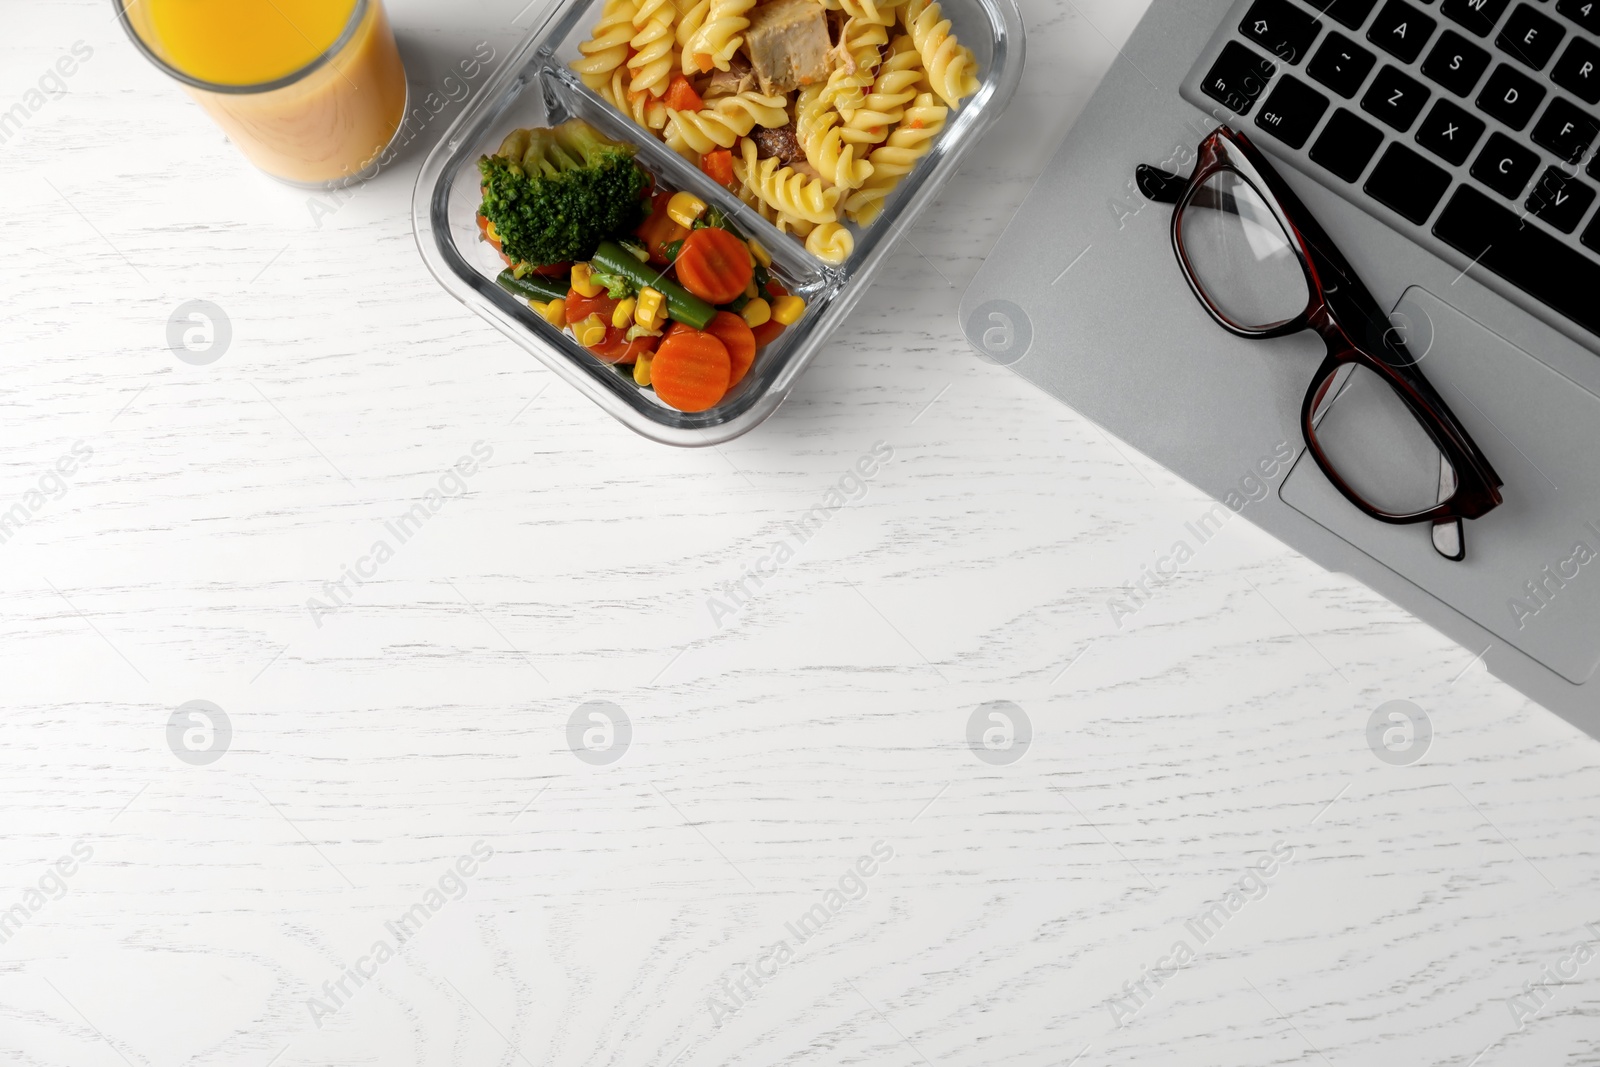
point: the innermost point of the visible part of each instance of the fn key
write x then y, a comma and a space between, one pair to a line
1292, 112
1238, 78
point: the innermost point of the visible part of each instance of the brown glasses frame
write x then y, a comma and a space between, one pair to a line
1346, 316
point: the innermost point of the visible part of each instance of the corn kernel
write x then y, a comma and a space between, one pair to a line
491, 233
583, 284
641, 370
788, 310
685, 209
623, 315
750, 291
591, 331
555, 313
757, 313
651, 309
761, 255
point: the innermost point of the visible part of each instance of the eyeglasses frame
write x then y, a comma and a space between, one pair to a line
1331, 310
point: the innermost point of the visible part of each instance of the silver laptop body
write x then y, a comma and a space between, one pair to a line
1370, 110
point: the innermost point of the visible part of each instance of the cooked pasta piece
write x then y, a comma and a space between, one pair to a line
784, 189
723, 122
952, 69
721, 35
654, 45
641, 107
911, 140
869, 9
899, 80
816, 126
860, 43
608, 48
693, 17
831, 243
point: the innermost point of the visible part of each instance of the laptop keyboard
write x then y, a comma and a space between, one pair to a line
1469, 121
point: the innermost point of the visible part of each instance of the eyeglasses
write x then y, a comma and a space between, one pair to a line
1263, 268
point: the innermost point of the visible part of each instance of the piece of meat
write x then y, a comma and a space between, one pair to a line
738, 78
780, 142
789, 44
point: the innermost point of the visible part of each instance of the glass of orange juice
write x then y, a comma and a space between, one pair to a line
312, 91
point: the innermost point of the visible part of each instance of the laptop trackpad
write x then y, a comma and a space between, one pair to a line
1532, 572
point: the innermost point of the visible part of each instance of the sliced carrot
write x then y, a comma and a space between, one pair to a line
718, 165
617, 349
767, 332
740, 341
681, 95
691, 370
705, 61
776, 290
658, 230
714, 265
580, 307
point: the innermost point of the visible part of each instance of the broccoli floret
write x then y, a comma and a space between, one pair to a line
555, 194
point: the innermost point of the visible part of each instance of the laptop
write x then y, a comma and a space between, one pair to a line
1448, 148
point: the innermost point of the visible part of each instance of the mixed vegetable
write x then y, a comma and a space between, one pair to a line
641, 277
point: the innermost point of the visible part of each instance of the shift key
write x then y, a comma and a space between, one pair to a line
1280, 28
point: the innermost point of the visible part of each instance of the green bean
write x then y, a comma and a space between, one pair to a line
532, 286
682, 305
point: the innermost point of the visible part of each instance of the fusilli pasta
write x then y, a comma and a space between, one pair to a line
786, 190
642, 108
720, 125
864, 116
924, 120
831, 243
816, 126
654, 46
721, 35
952, 70
860, 43
608, 48
899, 80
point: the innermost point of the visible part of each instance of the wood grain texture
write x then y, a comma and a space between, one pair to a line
429, 712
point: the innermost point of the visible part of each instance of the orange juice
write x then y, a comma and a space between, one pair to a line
310, 90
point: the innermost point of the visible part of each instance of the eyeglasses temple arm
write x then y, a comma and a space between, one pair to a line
1159, 186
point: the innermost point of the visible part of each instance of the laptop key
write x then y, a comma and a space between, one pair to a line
1280, 28
1478, 16
1585, 13
1565, 130
1353, 13
1531, 37
1456, 63
1539, 264
1237, 78
1450, 132
1401, 30
1505, 166
1395, 98
1408, 183
1511, 96
1342, 65
1578, 70
1560, 200
1292, 111
1347, 145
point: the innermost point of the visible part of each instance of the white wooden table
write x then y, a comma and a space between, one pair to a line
631, 912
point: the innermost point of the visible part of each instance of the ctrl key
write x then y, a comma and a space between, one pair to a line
1292, 112
1238, 78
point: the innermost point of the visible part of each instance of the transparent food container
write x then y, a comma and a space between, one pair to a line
537, 88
